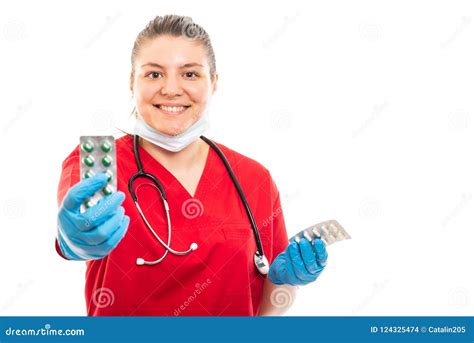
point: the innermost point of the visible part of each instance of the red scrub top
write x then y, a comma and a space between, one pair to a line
219, 278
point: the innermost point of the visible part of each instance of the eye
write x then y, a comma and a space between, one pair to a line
154, 74
190, 75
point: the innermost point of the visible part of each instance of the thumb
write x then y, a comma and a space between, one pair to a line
83, 191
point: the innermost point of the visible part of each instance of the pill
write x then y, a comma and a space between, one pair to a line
89, 203
308, 236
109, 175
107, 190
316, 232
88, 174
88, 161
107, 161
88, 146
106, 146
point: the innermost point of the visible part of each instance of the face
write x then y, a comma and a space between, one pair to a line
171, 84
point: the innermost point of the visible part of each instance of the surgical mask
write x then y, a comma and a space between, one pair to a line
173, 143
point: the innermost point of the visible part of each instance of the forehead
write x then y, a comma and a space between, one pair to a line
171, 51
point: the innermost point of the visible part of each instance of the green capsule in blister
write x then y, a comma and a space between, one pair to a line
88, 161
106, 146
98, 155
107, 190
88, 174
107, 161
87, 146
109, 175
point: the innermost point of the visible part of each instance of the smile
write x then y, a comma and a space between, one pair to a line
172, 109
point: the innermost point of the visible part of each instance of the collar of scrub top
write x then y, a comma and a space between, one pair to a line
261, 262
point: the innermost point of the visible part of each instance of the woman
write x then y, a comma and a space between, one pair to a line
172, 80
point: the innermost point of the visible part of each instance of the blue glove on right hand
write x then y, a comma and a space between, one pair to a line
300, 263
96, 232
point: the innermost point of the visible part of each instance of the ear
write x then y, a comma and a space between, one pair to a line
214, 83
132, 79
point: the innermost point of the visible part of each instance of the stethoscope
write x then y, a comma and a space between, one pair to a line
260, 260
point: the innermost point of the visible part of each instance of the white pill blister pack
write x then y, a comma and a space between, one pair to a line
329, 232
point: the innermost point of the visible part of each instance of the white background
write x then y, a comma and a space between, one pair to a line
361, 110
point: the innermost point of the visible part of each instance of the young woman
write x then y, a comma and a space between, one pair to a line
222, 248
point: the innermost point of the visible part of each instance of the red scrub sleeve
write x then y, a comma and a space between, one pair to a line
280, 235
69, 177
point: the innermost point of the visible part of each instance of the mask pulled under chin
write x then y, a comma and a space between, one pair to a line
172, 143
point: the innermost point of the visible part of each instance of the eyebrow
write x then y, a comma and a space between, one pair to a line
156, 65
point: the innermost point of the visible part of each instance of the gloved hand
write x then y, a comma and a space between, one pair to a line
94, 233
300, 263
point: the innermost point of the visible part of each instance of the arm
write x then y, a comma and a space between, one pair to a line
276, 299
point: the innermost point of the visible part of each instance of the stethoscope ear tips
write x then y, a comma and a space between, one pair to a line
140, 261
193, 246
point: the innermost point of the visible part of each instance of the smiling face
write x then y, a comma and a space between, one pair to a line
171, 83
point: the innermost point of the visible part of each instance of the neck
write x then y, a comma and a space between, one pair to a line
178, 161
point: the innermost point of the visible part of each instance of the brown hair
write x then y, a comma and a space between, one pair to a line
176, 26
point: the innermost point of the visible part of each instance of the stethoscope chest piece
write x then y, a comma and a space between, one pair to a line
261, 263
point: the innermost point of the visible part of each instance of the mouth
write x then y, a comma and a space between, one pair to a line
173, 110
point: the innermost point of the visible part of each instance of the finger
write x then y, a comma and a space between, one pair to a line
103, 232
308, 255
321, 253
103, 249
83, 191
103, 210
297, 263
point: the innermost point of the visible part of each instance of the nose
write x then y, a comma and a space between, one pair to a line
171, 86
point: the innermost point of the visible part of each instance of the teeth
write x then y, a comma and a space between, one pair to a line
172, 109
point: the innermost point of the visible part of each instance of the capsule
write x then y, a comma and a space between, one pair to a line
88, 174
308, 236
109, 175
87, 146
106, 146
107, 190
107, 161
89, 203
88, 160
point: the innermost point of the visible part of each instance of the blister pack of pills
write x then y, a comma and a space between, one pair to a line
97, 155
329, 231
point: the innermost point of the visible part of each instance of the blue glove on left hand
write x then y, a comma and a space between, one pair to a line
300, 263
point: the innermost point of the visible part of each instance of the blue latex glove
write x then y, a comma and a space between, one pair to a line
94, 233
300, 263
